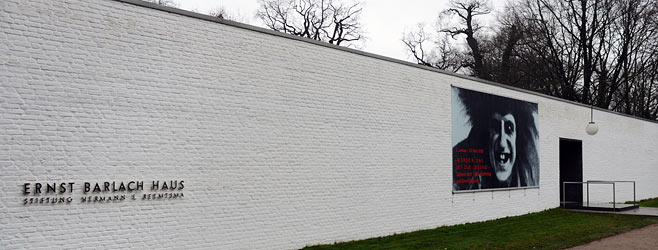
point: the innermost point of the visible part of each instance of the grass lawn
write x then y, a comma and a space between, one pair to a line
550, 229
647, 202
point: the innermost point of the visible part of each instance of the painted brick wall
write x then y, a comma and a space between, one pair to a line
281, 143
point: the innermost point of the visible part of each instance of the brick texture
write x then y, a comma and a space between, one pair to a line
281, 143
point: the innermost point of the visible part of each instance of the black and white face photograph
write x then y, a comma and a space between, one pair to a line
495, 141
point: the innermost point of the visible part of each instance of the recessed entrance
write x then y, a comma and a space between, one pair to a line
571, 170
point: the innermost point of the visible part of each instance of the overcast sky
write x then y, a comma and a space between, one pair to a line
384, 20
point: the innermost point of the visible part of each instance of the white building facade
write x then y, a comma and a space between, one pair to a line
148, 127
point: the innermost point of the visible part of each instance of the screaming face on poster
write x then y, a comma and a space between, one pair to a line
500, 148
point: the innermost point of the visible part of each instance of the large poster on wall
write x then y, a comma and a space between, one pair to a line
495, 141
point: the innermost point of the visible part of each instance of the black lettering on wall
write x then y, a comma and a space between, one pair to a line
50, 188
62, 188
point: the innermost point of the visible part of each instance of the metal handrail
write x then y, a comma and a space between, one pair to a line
564, 191
614, 198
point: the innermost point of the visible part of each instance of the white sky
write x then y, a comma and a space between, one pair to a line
384, 21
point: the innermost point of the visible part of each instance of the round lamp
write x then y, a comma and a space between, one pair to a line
592, 128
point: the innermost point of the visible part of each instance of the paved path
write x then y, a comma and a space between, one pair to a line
645, 211
642, 238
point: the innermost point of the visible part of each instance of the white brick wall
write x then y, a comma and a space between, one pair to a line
281, 143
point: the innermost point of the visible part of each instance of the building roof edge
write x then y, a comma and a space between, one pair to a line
359, 52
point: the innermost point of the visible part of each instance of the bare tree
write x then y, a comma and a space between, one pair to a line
599, 52
629, 62
502, 55
437, 53
329, 21
577, 24
466, 11
551, 48
489, 54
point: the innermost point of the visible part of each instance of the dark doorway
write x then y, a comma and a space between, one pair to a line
571, 169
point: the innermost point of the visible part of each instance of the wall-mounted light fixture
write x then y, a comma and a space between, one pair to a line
591, 128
